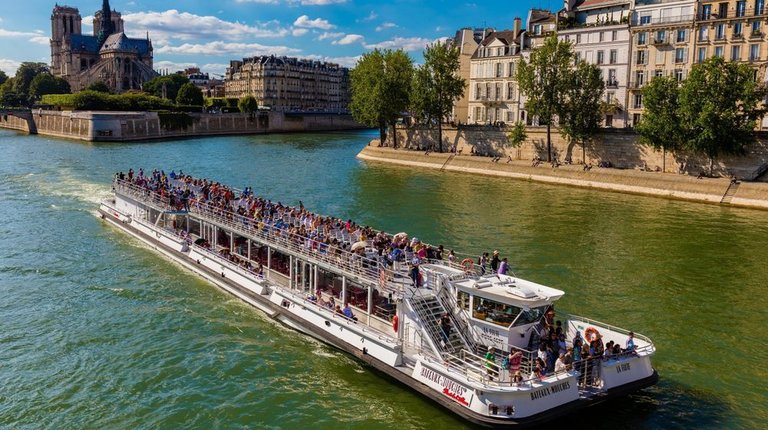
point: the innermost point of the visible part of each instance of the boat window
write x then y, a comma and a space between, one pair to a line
528, 316
494, 312
462, 300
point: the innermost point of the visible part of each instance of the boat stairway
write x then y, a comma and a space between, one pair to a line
430, 310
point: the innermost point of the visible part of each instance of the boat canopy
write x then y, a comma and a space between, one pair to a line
510, 290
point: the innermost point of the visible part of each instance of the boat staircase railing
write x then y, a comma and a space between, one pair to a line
462, 327
367, 271
429, 310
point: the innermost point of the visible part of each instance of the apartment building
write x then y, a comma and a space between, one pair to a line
467, 40
732, 30
493, 92
599, 33
289, 84
663, 38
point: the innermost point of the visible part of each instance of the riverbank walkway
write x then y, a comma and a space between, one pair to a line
668, 185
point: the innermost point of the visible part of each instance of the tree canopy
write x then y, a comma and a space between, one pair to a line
544, 80
3, 77
189, 94
660, 126
580, 115
172, 85
248, 104
437, 85
381, 83
45, 83
25, 74
99, 86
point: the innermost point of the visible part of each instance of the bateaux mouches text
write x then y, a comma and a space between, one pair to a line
552, 389
451, 389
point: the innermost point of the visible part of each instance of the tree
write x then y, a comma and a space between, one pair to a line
660, 126
437, 84
45, 83
580, 114
3, 77
25, 74
544, 80
165, 86
99, 86
8, 96
190, 95
517, 134
248, 104
381, 83
720, 104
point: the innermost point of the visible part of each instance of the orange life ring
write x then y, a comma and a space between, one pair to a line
590, 334
468, 264
395, 323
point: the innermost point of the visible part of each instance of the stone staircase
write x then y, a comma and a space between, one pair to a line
730, 192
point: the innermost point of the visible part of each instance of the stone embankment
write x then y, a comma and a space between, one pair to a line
669, 185
136, 126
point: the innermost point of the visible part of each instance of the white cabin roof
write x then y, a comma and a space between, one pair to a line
511, 290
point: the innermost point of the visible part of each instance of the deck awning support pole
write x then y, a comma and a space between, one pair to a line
290, 272
343, 289
269, 260
314, 280
370, 302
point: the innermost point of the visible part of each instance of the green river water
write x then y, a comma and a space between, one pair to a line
97, 331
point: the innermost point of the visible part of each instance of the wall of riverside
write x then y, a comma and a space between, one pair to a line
133, 126
619, 147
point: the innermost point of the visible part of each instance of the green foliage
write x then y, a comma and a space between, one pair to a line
99, 86
25, 74
94, 100
175, 120
45, 83
580, 114
544, 81
517, 135
218, 102
8, 96
172, 85
660, 125
719, 106
189, 94
437, 85
248, 104
3, 77
380, 88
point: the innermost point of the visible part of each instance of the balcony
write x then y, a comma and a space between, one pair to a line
756, 35
638, 22
732, 13
636, 85
661, 41
611, 83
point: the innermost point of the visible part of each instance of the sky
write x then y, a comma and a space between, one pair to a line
210, 33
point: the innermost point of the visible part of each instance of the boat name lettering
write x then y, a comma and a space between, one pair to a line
623, 367
492, 332
553, 389
451, 389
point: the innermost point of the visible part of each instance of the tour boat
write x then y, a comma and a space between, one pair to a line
446, 333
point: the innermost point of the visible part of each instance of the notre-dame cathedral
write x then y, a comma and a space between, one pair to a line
109, 55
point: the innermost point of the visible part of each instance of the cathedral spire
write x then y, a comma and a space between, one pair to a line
106, 25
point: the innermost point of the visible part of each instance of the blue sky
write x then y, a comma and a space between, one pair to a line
210, 33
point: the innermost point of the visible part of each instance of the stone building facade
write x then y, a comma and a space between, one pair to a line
289, 84
108, 55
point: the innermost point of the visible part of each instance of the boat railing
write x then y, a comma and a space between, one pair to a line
223, 260
648, 347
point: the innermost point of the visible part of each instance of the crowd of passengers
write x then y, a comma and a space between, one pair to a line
327, 235
557, 354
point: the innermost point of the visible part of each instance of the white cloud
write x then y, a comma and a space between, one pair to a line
404, 43
299, 31
215, 69
349, 39
320, 2
10, 33
319, 23
172, 24
329, 35
385, 26
172, 66
41, 40
371, 16
342, 61
9, 66
225, 48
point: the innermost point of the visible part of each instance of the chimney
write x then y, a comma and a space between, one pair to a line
517, 24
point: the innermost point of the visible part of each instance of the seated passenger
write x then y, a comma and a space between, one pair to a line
560, 365
517, 379
630, 346
348, 312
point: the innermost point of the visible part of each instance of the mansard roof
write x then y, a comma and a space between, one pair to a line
591, 4
506, 37
120, 42
84, 43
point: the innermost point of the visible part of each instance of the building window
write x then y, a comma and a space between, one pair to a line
754, 52
537, 29
702, 55
738, 29
511, 69
600, 58
680, 55
478, 114
720, 32
609, 120
756, 27
680, 36
510, 91
601, 36
706, 11
645, 20
499, 69
613, 56
736, 53
578, 38
703, 34
638, 101
719, 51
641, 57
759, 5
614, 35
612, 78
478, 92
639, 78
577, 56
661, 35
499, 93
658, 73
679, 75
741, 7
642, 38
722, 11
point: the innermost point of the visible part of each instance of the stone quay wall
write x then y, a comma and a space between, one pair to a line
710, 190
618, 147
136, 126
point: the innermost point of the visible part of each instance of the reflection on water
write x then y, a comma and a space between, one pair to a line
91, 317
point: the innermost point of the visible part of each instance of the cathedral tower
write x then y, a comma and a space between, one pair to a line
65, 21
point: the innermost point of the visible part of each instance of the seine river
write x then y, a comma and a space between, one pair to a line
97, 331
